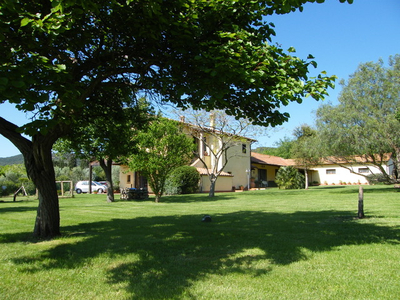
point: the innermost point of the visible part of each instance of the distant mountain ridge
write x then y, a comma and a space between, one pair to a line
12, 160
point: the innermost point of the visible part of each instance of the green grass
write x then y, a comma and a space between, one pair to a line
270, 244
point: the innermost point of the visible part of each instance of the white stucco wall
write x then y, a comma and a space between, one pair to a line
238, 163
324, 174
223, 184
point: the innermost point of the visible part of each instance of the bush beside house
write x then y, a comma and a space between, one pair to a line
289, 178
183, 180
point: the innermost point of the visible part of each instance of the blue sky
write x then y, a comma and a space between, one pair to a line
340, 36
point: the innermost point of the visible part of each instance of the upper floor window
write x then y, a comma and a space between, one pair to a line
330, 171
244, 148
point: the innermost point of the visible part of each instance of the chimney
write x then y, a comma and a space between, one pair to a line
212, 120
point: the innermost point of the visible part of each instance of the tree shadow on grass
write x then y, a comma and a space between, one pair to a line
366, 189
189, 198
201, 197
17, 209
160, 257
330, 187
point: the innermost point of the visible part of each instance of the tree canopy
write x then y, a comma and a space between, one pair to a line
105, 141
363, 124
162, 147
59, 56
305, 149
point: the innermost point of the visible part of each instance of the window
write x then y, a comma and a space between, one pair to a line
244, 148
363, 170
128, 179
330, 171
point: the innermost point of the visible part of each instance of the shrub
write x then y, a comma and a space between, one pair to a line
183, 180
8, 187
289, 178
13, 178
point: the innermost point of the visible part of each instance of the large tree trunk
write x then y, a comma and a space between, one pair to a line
39, 167
396, 164
47, 222
106, 165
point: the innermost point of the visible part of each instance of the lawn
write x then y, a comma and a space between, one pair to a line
267, 244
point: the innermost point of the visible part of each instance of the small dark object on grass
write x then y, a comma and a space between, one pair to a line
206, 218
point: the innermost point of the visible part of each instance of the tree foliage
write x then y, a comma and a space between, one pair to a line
289, 178
363, 128
305, 149
183, 180
104, 140
283, 148
12, 177
59, 56
162, 148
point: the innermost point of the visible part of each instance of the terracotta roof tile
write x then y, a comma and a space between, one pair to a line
203, 171
270, 160
354, 159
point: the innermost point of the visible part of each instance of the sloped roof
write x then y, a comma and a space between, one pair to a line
355, 159
203, 171
281, 162
270, 160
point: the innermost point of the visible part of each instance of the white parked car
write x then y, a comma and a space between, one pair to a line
83, 187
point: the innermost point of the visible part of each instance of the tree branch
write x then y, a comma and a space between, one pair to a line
11, 132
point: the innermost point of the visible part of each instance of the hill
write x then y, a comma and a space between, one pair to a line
12, 160
263, 150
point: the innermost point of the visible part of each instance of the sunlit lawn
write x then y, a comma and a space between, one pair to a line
269, 244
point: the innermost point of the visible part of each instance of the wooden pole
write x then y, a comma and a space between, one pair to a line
361, 203
90, 177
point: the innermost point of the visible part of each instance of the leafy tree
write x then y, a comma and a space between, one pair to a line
289, 178
62, 173
64, 160
162, 148
363, 128
14, 176
304, 149
59, 56
107, 141
78, 173
283, 148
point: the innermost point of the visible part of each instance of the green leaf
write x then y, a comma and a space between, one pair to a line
3, 81
25, 21
18, 84
61, 67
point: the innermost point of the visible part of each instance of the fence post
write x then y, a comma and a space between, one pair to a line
361, 203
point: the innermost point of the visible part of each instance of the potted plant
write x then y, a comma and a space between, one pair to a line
252, 182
